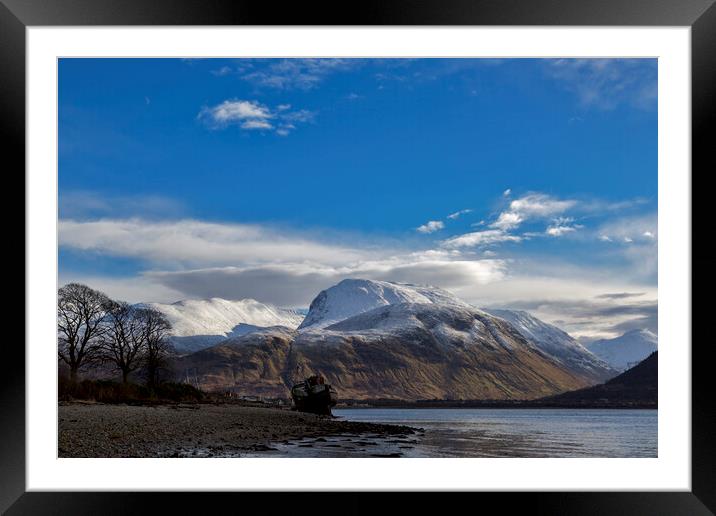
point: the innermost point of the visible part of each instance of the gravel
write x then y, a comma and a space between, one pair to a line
187, 430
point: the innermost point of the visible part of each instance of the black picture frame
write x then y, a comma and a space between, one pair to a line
700, 15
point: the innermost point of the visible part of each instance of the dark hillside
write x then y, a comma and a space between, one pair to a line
638, 386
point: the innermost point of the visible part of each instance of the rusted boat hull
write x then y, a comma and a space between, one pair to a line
317, 399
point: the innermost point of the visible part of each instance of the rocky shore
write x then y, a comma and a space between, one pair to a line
200, 430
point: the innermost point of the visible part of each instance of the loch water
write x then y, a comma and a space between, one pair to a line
481, 432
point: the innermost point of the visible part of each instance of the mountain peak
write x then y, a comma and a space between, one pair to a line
354, 296
626, 350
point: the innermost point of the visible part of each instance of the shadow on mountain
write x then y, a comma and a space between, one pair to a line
195, 343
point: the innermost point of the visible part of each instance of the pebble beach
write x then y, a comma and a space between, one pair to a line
199, 430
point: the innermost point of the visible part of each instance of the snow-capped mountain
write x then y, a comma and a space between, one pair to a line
200, 323
557, 343
384, 340
354, 296
625, 351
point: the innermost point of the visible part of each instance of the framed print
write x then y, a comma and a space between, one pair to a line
425, 248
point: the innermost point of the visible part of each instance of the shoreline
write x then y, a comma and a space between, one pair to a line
496, 405
206, 430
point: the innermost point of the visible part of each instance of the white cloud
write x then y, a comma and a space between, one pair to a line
477, 238
557, 231
574, 299
430, 226
190, 259
237, 110
562, 226
531, 206
252, 115
508, 220
256, 124
507, 192
296, 284
133, 289
196, 242
540, 205
457, 214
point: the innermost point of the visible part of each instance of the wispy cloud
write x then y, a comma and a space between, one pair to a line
607, 83
252, 115
620, 295
641, 229
302, 74
83, 204
286, 267
578, 300
477, 238
221, 72
458, 214
636, 239
190, 258
536, 208
562, 226
431, 226
531, 206
296, 284
193, 242
557, 231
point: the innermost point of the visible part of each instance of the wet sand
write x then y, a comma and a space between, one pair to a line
202, 430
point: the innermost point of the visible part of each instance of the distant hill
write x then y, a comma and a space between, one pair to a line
636, 386
201, 323
624, 352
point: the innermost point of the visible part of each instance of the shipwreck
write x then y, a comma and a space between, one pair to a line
314, 395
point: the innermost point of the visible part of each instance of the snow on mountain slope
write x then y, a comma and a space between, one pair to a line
200, 323
625, 351
401, 351
447, 326
354, 296
556, 343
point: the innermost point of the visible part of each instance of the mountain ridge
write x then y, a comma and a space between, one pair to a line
394, 341
200, 323
557, 343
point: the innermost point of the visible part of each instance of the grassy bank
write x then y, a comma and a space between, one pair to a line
108, 391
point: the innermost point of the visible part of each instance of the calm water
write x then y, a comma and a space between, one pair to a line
517, 432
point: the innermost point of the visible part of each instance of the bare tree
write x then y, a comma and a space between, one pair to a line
124, 342
155, 328
81, 314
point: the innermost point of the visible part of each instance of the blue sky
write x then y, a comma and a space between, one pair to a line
527, 183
